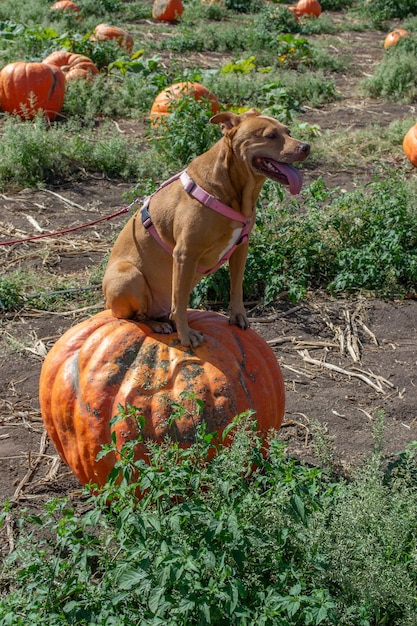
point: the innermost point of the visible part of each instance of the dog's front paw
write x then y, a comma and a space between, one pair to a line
239, 319
160, 326
192, 338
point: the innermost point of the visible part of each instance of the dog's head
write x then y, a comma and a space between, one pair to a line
265, 145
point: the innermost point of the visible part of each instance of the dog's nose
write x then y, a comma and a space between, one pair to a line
304, 149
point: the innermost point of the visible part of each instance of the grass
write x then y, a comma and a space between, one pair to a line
363, 147
20, 289
395, 76
216, 543
34, 154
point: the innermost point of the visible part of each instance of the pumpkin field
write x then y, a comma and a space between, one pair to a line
100, 102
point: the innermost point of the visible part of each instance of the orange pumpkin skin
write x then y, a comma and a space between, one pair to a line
65, 5
308, 7
162, 104
410, 144
167, 10
27, 88
104, 361
73, 65
394, 36
105, 32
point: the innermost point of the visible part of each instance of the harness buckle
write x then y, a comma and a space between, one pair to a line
145, 217
187, 183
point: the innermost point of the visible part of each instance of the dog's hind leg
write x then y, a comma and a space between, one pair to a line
125, 290
129, 297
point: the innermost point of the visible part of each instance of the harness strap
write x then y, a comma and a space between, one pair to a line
147, 223
208, 200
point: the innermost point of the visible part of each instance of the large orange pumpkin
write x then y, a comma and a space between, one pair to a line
162, 104
410, 144
27, 88
105, 32
167, 10
65, 5
308, 7
394, 36
105, 362
73, 65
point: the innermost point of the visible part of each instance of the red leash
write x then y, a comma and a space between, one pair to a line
68, 230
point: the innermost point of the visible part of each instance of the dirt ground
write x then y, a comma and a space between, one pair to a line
344, 361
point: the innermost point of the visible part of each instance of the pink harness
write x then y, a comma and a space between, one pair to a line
208, 200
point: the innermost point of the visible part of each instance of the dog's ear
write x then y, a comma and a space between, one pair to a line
229, 120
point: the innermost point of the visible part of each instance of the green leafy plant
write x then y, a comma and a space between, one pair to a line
278, 101
185, 133
136, 64
242, 66
293, 50
270, 22
33, 153
336, 5
381, 10
32, 40
395, 76
218, 37
244, 6
340, 242
10, 296
251, 536
101, 7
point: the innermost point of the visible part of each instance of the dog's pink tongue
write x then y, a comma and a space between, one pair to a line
294, 176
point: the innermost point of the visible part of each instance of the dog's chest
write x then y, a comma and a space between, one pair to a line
233, 239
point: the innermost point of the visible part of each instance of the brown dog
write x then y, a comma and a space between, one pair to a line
184, 230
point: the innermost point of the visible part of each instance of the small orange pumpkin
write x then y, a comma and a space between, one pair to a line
73, 65
167, 10
162, 105
65, 5
308, 7
394, 36
105, 362
27, 88
105, 32
410, 144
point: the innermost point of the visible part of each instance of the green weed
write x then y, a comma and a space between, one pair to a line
217, 36
341, 242
244, 6
336, 5
395, 76
24, 289
34, 153
251, 537
10, 295
185, 133
270, 22
381, 10
29, 13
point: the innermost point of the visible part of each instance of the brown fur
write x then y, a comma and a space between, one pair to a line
142, 280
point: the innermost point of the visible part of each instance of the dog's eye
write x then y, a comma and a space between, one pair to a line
271, 135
